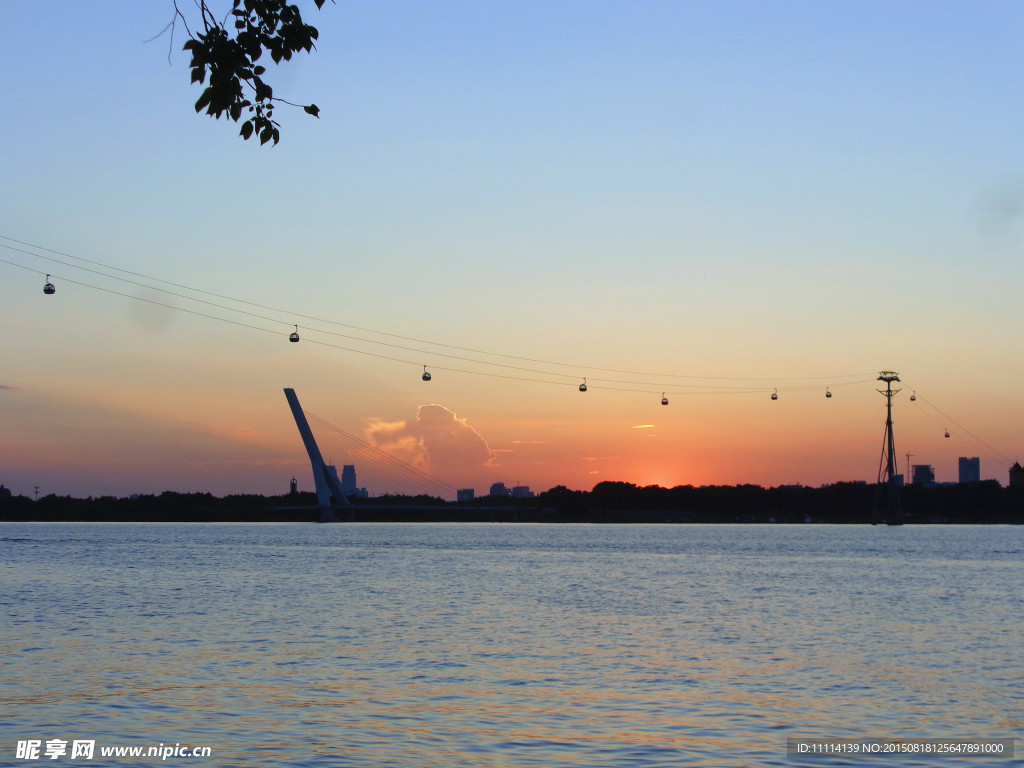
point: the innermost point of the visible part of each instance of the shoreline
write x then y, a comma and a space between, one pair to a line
842, 503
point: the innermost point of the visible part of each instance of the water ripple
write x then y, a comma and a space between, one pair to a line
434, 645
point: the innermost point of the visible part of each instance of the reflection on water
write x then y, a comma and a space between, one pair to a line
509, 645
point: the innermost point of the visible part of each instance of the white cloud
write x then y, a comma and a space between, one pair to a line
438, 442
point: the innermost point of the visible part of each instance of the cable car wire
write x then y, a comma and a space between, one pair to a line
352, 349
743, 385
717, 388
992, 452
578, 367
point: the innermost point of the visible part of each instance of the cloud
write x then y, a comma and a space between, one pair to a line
643, 426
398, 439
152, 312
5, 386
1000, 209
449, 440
438, 442
274, 464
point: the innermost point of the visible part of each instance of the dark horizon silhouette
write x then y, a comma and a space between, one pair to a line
609, 501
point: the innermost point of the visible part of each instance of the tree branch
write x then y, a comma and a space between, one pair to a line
227, 54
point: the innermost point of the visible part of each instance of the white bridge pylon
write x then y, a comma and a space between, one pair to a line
328, 489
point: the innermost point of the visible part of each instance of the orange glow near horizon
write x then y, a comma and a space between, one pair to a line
96, 444
105, 441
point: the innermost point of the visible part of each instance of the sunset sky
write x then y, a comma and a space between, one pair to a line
711, 200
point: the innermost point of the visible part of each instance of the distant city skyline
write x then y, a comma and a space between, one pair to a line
922, 474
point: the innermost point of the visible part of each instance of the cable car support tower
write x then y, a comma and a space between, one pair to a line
887, 495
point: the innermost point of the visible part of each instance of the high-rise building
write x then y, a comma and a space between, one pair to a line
464, 494
499, 489
331, 472
924, 474
1016, 474
348, 479
970, 469
348, 482
522, 492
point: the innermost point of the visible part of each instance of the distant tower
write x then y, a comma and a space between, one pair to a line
332, 476
924, 474
1016, 474
970, 469
293, 487
887, 495
348, 479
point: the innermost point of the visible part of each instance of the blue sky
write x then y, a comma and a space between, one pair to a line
713, 189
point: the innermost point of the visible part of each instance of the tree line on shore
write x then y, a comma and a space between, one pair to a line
618, 502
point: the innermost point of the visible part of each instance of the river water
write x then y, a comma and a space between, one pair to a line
407, 645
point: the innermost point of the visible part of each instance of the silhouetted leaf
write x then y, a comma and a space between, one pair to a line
227, 52
263, 91
204, 99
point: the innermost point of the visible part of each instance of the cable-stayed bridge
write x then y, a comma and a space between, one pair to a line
378, 469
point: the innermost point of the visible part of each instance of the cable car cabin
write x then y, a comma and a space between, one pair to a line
294, 335
664, 400
426, 374
775, 395
49, 289
913, 398
947, 433
828, 392
583, 386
